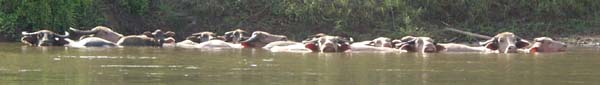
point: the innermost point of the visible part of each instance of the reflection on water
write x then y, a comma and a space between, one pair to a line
174, 66
106, 57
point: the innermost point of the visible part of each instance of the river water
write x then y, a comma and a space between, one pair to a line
176, 66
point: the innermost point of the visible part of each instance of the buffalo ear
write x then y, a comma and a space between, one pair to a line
439, 48
62, 42
344, 47
312, 46
522, 43
490, 44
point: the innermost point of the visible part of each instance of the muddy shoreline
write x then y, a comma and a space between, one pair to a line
586, 41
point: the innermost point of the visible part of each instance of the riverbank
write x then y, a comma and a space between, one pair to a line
586, 41
361, 19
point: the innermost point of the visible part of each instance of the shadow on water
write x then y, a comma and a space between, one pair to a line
144, 65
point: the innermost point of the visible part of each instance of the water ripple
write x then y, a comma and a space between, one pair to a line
106, 57
149, 66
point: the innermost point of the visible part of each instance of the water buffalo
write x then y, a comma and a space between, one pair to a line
211, 44
44, 38
91, 42
453, 47
291, 46
541, 44
202, 37
418, 44
314, 37
206, 40
505, 42
316, 43
377, 42
100, 32
546, 44
320, 44
287, 46
428, 45
235, 36
380, 44
260, 39
328, 43
197, 38
156, 38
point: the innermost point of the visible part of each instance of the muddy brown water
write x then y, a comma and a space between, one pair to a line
21, 65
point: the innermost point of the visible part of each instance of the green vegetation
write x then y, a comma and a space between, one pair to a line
362, 19
56, 15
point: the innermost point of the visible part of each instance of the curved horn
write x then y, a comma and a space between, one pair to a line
408, 39
521, 43
83, 31
63, 36
157, 31
491, 40
29, 34
253, 38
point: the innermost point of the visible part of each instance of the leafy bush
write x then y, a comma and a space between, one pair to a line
56, 15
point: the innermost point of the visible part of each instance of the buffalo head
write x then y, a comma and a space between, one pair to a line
327, 43
44, 38
100, 32
235, 36
418, 44
202, 37
546, 44
505, 42
260, 39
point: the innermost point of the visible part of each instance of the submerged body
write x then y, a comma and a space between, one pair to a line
100, 32
286, 46
453, 47
91, 42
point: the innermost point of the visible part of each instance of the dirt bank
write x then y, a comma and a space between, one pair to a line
582, 40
